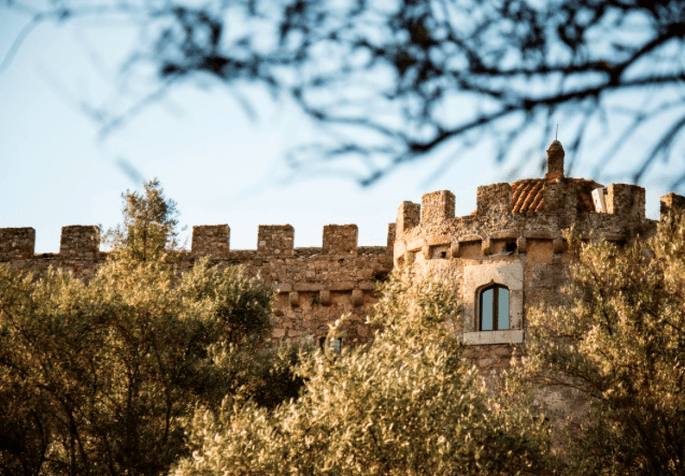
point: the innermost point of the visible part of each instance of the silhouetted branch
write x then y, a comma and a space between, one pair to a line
419, 74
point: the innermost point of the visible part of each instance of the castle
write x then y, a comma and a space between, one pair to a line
505, 257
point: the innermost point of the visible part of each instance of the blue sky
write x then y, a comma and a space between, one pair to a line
216, 162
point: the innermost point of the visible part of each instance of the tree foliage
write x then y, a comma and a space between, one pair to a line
97, 377
408, 404
622, 344
423, 77
148, 231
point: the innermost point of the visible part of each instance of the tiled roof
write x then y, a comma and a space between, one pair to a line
528, 196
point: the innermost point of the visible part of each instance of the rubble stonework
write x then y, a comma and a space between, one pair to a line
514, 238
314, 286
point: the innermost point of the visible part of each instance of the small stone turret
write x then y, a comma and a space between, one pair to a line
555, 160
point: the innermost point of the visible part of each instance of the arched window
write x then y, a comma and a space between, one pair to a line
494, 308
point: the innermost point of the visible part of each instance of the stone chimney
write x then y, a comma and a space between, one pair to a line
555, 160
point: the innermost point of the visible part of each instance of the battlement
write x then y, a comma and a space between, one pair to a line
76, 242
515, 235
17, 243
340, 239
83, 243
569, 200
437, 206
495, 199
532, 209
79, 241
278, 241
511, 216
670, 203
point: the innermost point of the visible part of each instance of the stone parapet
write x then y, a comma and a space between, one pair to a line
17, 243
494, 199
437, 206
408, 216
340, 239
314, 285
626, 200
276, 240
671, 203
211, 240
80, 242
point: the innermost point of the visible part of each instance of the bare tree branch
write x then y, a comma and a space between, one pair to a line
419, 74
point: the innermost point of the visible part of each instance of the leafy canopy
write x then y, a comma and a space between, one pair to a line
621, 343
406, 405
98, 377
148, 230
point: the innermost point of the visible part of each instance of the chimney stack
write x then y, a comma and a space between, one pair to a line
555, 160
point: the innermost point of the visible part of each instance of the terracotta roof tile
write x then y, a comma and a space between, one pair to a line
528, 194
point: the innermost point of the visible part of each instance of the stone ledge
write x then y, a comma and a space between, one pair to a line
513, 336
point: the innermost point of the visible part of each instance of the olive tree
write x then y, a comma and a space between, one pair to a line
407, 404
98, 376
620, 342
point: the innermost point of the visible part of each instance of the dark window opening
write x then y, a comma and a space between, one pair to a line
443, 254
510, 246
494, 308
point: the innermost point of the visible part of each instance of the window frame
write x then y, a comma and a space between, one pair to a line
495, 287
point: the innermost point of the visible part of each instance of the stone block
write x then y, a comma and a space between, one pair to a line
17, 243
454, 249
558, 245
307, 287
276, 240
493, 337
521, 244
357, 297
79, 241
282, 287
367, 285
487, 246
408, 216
211, 240
437, 206
342, 286
339, 239
294, 298
324, 297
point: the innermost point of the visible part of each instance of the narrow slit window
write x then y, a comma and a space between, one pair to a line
494, 308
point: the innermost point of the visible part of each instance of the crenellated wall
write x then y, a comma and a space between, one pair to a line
514, 238
495, 223
513, 241
315, 286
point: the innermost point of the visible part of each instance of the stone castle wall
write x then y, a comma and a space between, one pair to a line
525, 250
515, 238
315, 286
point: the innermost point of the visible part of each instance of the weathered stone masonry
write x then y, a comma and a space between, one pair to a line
315, 286
513, 239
